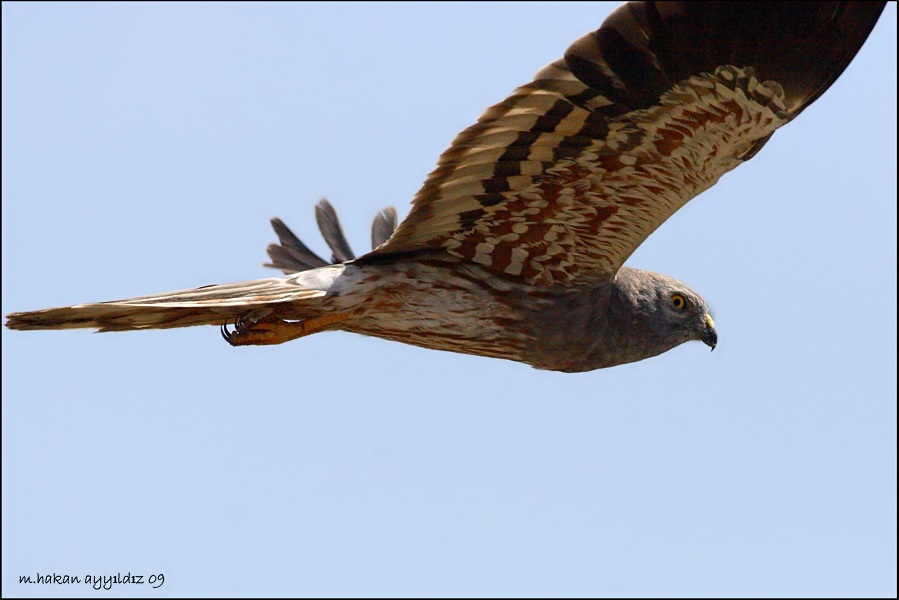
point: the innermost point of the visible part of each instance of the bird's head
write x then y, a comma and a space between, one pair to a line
672, 311
685, 313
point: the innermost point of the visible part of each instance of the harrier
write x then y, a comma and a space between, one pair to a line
515, 245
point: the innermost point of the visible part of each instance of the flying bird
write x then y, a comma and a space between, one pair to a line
515, 245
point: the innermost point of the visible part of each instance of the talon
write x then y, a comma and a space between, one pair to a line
242, 325
251, 329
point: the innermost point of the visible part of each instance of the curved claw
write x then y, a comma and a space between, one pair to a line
225, 333
240, 324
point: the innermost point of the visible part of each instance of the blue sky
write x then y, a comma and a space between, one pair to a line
145, 148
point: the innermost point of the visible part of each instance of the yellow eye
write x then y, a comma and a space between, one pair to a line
678, 301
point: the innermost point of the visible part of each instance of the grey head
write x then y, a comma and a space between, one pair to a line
663, 311
637, 315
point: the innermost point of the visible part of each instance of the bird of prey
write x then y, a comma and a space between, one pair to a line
515, 245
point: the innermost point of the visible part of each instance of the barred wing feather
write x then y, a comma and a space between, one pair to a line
560, 182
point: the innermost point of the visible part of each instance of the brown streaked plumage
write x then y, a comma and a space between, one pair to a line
515, 245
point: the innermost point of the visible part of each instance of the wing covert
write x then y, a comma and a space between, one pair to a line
560, 182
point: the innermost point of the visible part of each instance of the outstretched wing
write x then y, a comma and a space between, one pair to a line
291, 255
560, 182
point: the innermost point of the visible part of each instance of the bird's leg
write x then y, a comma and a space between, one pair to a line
270, 331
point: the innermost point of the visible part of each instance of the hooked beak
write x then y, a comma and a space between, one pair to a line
708, 334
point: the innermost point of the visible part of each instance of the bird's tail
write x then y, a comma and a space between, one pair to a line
207, 305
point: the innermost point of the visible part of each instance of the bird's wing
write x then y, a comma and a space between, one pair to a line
561, 181
291, 255
383, 226
329, 225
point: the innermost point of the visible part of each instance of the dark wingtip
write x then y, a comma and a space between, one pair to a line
383, 226
329, 225
291, 255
